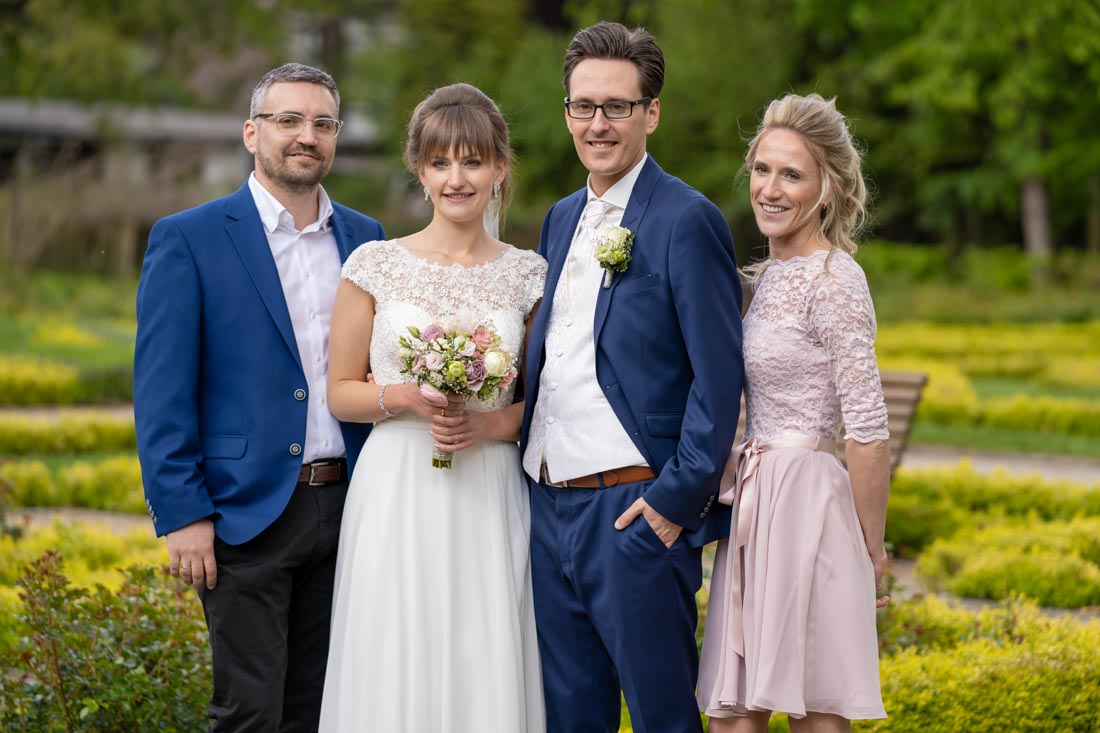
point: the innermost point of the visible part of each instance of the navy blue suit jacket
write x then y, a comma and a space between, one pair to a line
219, 389
668, 342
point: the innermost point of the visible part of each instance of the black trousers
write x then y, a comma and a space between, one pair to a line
269, 618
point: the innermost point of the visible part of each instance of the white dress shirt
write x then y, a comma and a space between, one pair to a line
574, 431
309, 270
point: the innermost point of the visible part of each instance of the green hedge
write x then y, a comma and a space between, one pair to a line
112, 483
75, 433
1056, 563
26, 381
928, 504
1009, 669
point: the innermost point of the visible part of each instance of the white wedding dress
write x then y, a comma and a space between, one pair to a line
433, 624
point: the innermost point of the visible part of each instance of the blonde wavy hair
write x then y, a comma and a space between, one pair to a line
824, 129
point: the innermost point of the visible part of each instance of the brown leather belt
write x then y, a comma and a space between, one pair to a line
627, 475
321, 473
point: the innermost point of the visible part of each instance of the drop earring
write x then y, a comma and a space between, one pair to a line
427, 193
496, 189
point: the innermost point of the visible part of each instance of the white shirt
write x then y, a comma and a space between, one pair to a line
308, 262
573, 428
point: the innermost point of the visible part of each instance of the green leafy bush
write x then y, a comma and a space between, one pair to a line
97, 660
77, 433
1056, 563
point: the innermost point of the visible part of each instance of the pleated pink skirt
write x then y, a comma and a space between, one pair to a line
791, 626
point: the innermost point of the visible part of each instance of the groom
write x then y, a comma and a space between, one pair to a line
632, 408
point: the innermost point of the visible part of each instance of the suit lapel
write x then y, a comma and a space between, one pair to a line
246, 231
632, 219
345, 240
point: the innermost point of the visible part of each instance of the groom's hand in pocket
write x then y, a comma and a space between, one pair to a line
666, 531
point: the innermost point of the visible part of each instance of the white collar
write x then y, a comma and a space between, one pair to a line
619, 194
272, 212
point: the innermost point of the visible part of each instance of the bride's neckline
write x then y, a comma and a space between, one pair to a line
396, 242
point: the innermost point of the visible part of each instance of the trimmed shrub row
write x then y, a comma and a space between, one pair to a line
112, 483
930, 504
1056, 563
70, 434
31, 381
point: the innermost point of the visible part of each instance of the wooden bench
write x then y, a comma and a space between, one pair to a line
902, 391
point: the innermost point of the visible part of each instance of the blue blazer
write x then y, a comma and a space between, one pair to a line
668, 342
219, 390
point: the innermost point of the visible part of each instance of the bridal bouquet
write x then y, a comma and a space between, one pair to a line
467, 362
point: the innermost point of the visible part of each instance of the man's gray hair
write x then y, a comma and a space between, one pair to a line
291, 72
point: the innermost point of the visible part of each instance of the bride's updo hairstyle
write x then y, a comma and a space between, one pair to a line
460, 117
825, 131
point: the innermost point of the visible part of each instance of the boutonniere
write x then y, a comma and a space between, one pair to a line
613, 251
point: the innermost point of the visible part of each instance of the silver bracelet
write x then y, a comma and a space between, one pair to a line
382, 402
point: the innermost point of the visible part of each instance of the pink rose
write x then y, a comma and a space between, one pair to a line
475, 374
482, 337
434, 361
418, 365
432, 332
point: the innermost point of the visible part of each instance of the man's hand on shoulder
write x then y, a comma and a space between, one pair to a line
665, 530
191, 554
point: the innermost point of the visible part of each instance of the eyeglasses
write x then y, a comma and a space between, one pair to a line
616, 109
290, 123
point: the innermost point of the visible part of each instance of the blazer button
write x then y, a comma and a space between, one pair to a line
299, 394
295, 449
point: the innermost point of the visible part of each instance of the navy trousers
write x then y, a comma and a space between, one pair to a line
615, 610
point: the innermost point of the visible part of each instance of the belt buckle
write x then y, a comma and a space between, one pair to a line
312, 471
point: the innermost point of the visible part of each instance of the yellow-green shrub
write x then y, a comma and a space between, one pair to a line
112, 483
1032, 674
948, 397
26, 381
1066, 371
1056, 563
76, 433
92, 553
1042, 415
926, 504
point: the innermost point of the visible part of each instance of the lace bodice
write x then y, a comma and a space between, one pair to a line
411, 291
809, 351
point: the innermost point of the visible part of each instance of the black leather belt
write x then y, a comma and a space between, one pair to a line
321, 473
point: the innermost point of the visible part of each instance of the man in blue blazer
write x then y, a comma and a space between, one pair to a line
634, 385
245, 470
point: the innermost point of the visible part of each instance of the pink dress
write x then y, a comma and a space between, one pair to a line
791, 621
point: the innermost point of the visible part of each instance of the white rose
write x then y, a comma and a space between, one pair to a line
434, 361
616, 236
404, 353
496, 363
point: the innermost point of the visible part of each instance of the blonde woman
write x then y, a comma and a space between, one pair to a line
791, 623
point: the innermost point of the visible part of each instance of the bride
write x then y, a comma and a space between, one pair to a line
433, 627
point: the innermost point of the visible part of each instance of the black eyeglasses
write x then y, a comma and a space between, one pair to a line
616, 109
291, 123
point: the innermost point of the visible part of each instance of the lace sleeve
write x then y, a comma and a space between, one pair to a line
533, 277
843, 318
361, 269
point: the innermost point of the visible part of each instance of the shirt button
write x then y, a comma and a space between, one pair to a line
313, 316
299, 394
550, 421
317, 358
327, 444
561, 351
295, 449
569, 322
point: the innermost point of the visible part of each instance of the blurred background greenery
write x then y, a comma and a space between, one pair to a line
978, 118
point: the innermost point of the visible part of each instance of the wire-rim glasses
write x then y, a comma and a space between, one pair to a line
291, 123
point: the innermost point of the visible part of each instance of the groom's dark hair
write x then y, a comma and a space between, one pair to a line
615, 42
